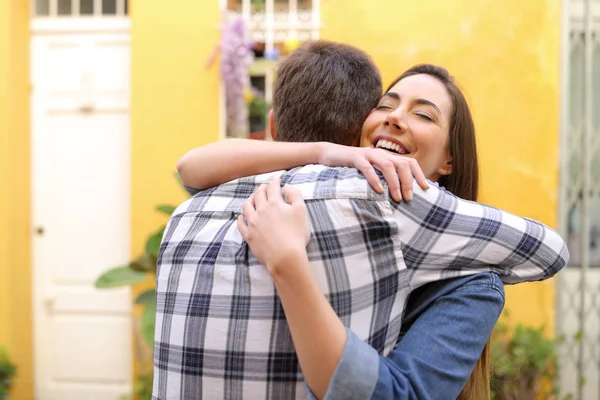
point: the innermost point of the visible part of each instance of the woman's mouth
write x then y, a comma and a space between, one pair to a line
390, 146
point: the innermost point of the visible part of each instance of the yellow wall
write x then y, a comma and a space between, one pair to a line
15, 264
174, 100
505, 55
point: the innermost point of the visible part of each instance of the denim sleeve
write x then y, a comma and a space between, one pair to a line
355, 376
453, 320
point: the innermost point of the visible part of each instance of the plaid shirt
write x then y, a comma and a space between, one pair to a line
221, 332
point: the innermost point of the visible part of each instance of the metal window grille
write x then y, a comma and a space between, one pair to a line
270, 23
578, 289
79, 8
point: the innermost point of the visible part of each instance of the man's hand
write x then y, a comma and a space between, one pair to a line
397, 170
276, 231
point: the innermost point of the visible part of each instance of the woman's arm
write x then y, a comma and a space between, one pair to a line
452, 319
434, 359
278, 234
318, 334
223, 161
229, 159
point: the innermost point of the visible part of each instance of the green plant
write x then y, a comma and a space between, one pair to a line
524, 363
139, 270
258, 107
258, 110
8, 371
143, 386
521, 363
258, 5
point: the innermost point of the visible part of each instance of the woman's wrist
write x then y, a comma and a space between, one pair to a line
323, 151
291, 265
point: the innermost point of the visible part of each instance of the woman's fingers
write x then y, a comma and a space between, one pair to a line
367, 169
293, 195
243, 228
248, 208
260, 197
406, 180
390, 174
417, 172
380, 160
274, 191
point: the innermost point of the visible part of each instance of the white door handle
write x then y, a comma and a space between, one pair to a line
49, 298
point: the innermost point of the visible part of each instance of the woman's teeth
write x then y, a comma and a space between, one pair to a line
386, 144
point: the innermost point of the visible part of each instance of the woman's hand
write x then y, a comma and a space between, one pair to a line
397, 170
276, 231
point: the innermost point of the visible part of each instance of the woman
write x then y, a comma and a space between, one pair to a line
433, 131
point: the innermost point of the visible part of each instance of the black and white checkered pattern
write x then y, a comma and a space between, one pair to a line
220, 328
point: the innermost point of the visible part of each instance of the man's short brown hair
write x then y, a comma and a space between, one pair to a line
323, 92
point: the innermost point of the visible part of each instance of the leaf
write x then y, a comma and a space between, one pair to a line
500, 329
521, 361
165, 208
7, 371
178, 178
149, 296
144, 263
153, 242
120, 276
148, 322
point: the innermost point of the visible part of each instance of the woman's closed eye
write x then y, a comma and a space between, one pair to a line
426, 117
383, 107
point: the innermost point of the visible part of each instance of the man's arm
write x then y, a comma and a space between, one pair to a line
450, 322
444, 236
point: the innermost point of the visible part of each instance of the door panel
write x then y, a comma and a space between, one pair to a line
81, 214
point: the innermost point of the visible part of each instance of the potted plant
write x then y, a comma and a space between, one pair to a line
257, 111
141, 270
524, 363
8, 371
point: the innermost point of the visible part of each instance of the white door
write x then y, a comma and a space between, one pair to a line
81, 203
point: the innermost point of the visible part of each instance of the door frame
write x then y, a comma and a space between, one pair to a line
45, 27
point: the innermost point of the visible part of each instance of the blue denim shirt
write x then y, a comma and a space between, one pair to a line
445, 328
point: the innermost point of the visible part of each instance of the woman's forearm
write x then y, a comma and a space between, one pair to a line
225, 160
318, 334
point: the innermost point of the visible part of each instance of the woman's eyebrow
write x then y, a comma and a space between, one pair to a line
425, 102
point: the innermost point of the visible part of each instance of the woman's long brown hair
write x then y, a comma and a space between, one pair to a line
464, 183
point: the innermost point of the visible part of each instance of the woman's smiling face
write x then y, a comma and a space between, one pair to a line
413, 119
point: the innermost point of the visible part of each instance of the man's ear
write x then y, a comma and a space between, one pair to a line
271, 124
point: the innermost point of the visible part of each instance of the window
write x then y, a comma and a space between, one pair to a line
275, 27
581, 180
80, 8
272, 21
578, 299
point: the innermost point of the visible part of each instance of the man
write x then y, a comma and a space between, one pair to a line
221, 332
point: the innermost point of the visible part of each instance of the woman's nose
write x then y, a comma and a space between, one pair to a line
396, 119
